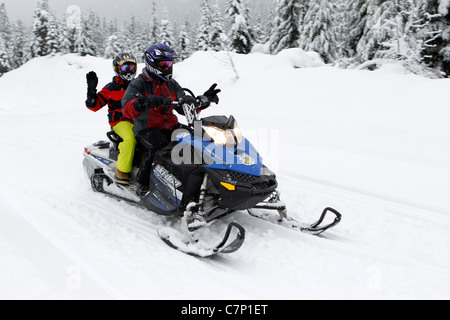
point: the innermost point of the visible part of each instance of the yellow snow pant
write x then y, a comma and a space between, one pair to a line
125, 160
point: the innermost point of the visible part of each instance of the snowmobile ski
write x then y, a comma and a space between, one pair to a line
276, 214
186, 244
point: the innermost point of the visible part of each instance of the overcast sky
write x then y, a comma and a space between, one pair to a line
178, 9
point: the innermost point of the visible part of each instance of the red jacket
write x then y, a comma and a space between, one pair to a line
111, 95
151, 118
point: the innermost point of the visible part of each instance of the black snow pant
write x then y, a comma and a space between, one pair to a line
152, 140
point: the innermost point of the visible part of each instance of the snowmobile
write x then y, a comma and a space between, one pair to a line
207, 172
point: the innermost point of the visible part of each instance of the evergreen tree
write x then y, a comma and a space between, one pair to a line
5, 29
360, 12
240, 37
114, 45
52, 38
393, 33
154, 28
86, 44
343, 16
260, 30
96, 33
4, 59
20, 53
5, 41
115, 42
217, 38
436, 36
204, 27
143, 40
318, 30
287, 33
40, 30
185, 41
69, 39
166, 34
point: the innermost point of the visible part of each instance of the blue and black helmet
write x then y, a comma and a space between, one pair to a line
159, 61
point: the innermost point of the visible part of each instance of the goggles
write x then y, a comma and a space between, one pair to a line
129, 67
165, 64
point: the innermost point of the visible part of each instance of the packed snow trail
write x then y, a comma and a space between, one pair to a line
59, 239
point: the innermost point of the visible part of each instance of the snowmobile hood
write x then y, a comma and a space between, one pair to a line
244, 158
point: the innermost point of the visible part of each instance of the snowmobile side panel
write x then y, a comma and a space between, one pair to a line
171, 186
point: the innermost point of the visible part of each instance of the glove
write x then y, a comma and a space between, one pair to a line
153, 102
204, 102
187, 99
211, 94
92, 81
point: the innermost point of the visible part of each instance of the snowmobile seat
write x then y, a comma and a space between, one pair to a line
114, 149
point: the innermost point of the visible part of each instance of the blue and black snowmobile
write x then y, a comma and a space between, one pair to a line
207, 172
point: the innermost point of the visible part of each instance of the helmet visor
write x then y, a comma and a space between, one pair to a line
127, 68
165, 65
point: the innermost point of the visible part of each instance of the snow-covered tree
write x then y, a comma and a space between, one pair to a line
392, 33
97, 34
240, 36
436, 35
217, 37
4, 59
86, 43
127, 36
19, 51
114, 45
69, 39
143, 40
154, 27
166, 34
115, 41
343, 16
42, 18
5, 26
287, 33
205, 26
52, 39
318, 30
5, 41
185, 41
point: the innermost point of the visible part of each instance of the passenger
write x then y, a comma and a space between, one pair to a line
125, 68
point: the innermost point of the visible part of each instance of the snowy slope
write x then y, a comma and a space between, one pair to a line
374, 145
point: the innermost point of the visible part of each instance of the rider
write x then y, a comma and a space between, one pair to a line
148, 100
125, 67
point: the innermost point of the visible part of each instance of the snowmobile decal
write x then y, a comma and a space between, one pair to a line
107, 162
168, 180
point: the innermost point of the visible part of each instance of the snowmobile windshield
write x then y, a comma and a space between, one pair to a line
229, 137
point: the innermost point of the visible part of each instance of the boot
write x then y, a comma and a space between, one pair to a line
122, 178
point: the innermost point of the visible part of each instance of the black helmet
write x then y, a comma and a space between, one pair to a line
125, 66
159, 61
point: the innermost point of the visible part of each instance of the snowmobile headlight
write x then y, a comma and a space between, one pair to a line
229, 138
237, 133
